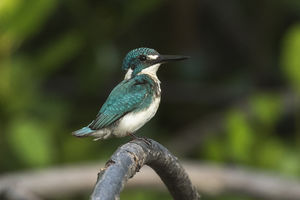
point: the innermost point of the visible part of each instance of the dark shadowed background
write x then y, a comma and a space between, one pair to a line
234, 103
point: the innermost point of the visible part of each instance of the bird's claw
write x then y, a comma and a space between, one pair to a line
144, 139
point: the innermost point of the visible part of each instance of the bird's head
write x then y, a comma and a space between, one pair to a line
145, 60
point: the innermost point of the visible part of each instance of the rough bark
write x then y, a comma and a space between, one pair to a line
130, 157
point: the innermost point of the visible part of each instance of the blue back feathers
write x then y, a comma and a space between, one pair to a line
128, 96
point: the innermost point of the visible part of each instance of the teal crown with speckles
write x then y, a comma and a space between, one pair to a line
132, 57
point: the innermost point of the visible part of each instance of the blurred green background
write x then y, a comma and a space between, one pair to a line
235, 102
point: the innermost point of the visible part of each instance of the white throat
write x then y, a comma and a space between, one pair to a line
151, 71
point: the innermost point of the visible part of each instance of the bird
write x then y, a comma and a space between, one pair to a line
134, 101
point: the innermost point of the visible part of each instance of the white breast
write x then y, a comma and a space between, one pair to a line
133, 121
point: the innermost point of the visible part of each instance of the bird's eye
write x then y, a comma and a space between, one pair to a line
142, 58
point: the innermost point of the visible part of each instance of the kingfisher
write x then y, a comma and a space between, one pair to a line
134, 101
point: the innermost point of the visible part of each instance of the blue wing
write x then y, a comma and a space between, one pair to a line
125, 97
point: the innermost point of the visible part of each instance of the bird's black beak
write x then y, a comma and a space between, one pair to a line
168, 58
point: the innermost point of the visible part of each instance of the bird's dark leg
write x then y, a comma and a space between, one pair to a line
144, 139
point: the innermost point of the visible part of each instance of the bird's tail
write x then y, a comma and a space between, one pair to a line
85, 131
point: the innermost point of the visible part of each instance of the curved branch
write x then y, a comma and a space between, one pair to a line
68, 181
130, 157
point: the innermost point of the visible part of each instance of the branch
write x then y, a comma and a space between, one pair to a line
69, 181
130, 157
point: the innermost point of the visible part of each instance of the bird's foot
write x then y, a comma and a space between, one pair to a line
144, 139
